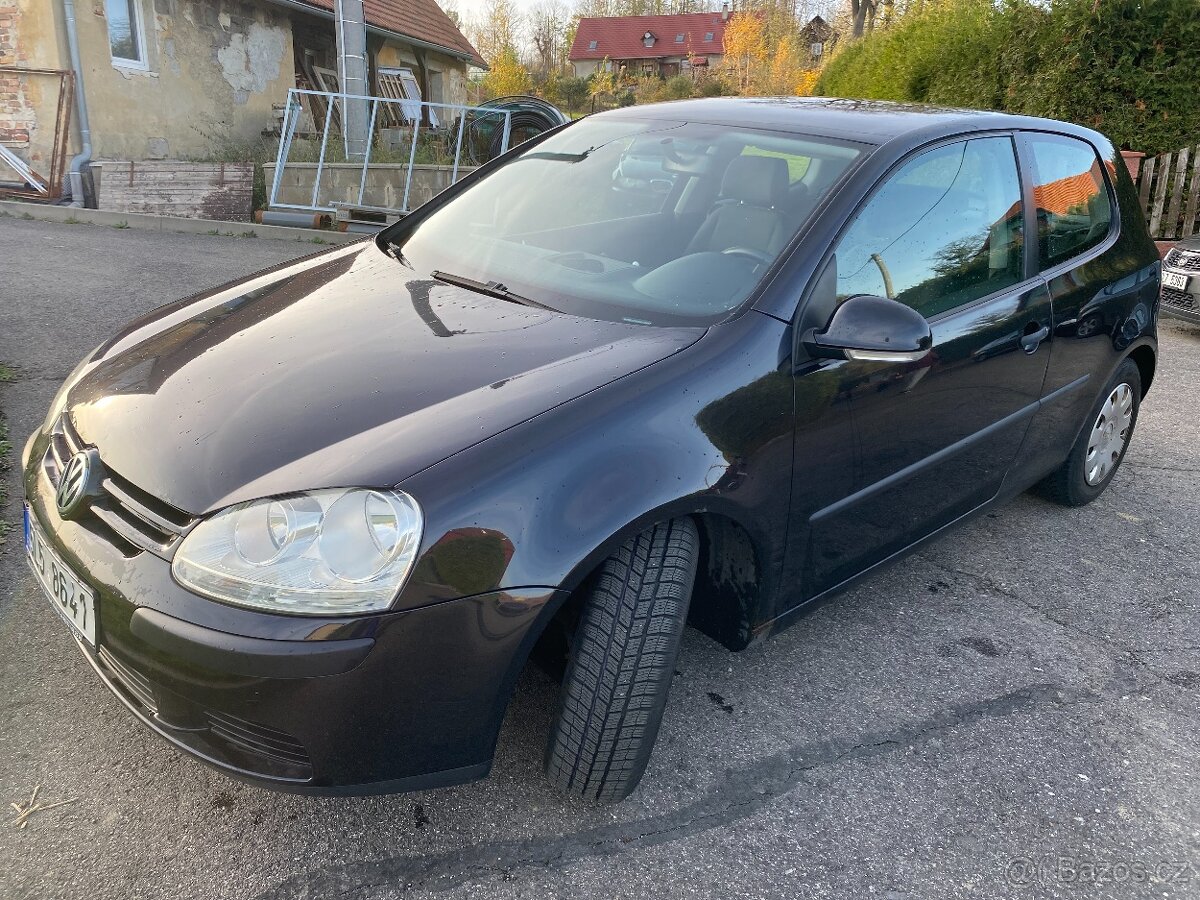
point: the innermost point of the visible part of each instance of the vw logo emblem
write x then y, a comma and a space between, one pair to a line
73, 483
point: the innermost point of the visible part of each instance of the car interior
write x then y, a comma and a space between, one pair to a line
655, 229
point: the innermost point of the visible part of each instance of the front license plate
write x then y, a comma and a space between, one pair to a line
73, 599
1176, 280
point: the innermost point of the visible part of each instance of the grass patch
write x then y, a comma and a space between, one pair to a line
7, 375
122, 224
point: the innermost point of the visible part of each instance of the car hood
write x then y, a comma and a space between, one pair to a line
347, 369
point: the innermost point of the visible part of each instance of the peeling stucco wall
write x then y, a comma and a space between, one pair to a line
27, 102
250, 62
215, 69
16, 112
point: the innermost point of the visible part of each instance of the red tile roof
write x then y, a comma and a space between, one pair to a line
620, 37
419, 19
1070, 193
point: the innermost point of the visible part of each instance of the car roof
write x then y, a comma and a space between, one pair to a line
865, 121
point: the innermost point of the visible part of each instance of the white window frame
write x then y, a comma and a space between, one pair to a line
139, 26
411, 85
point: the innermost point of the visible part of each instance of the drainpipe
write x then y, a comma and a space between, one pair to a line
85, 132
351, 36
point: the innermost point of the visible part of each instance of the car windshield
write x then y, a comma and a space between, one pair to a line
631, 220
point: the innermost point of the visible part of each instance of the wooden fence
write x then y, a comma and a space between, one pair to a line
1169, 187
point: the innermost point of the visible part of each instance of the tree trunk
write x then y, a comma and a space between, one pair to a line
863, 14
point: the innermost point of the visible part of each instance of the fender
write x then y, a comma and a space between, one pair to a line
706, 431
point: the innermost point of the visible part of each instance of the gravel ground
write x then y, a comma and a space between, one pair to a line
1010, 713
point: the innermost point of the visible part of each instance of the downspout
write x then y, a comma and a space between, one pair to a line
351, 34
85, 132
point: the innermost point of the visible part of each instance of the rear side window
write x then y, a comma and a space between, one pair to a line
1074, 212
944, 230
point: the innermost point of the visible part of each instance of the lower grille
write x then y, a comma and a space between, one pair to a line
258, 739
1179, 299
135, 683
217, 736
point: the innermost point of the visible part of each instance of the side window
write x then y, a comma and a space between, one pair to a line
946, 229
1073, 207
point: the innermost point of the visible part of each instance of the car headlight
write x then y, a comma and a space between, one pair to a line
326, 553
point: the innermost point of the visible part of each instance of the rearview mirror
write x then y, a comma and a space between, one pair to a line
872, 328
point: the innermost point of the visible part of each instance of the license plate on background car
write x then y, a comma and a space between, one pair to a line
73, 599
1176, 280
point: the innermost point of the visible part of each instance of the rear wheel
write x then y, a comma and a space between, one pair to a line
1101, 446
621, 663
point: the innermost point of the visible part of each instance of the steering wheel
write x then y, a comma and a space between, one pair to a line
755, 255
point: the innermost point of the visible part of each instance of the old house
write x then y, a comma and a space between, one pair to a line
817, 39
649, 45
174, 79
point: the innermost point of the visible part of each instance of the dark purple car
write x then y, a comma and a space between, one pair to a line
706, 362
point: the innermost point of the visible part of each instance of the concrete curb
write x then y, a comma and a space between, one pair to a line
147, 222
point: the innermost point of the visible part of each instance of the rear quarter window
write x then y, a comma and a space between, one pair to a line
1071, 197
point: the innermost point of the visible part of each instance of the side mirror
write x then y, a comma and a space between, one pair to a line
872, 328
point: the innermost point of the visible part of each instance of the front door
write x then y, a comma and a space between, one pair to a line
934, 439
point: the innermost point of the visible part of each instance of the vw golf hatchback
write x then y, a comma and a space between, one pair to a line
706, 362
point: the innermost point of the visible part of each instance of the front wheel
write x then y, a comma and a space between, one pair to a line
621, 663
1102, 444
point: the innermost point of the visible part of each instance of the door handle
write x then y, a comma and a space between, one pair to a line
1031, 340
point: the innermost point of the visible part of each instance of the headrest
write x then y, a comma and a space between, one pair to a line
757, 180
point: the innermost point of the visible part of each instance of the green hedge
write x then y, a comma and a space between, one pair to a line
1129, 68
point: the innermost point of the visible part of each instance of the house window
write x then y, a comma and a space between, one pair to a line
679, 38
708, 36
126, 41
592, 45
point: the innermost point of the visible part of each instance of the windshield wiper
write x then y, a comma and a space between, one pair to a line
488, 289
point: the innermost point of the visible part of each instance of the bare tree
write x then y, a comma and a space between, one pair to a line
496, 28
548, 23
863, 14
450, 8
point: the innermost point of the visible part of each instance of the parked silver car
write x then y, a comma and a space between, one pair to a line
1181, 281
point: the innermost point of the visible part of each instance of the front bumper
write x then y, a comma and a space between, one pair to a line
1182, 304
371, 704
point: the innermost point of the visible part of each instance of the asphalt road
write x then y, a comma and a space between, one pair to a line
1011, 713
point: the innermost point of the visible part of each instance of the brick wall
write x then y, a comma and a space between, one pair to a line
17, 115
165, 187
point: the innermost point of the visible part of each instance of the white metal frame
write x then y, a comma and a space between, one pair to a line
293, 112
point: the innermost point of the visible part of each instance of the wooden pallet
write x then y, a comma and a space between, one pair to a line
353, 217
